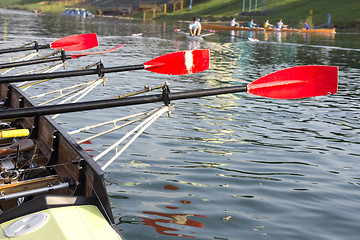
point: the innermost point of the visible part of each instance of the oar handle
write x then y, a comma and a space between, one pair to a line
128, 101
14, 133
41, 76
19, 49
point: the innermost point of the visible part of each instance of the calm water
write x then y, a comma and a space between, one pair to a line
226, 167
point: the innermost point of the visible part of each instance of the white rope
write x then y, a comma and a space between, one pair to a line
83, 93
110, 122
142, 126
11, 59
117, 127
62, 89
108, 131
27, 57
47, 69
124, 137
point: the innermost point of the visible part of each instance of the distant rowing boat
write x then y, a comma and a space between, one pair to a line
77, 12
196, 38
320, 30
223, 27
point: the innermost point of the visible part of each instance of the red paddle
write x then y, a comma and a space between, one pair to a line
78, 42
78, 55
180, 63
177, 63
63, 57
291, 83
296, 82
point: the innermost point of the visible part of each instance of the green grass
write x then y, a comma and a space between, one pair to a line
30, 5
344, 13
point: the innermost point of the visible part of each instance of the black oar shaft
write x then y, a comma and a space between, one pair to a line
19, 49
100, 104
41, 76
30, 62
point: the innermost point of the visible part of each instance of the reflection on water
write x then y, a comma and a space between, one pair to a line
168, 219
170, 224
193, 44
5, 30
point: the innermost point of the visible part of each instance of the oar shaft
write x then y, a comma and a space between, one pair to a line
40, 76
30, 62
19, 49
100, 104
206, 92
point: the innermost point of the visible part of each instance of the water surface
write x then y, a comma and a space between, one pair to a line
226, 167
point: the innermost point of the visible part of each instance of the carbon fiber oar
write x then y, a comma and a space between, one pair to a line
291, 83
78, 42
63, 57
177, 63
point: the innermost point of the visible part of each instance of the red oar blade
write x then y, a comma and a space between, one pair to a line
92, 53
78, 42
297, 82
180, 63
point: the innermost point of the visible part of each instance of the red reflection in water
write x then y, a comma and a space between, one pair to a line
185, 202
86, 142
89, 150
181, 219
171, 187
169, 207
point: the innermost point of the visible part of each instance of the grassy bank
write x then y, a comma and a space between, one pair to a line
344, 14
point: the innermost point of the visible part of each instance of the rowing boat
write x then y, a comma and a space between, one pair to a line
319, 30
196, 38
193, 37
49, 185
48, 181
241, 28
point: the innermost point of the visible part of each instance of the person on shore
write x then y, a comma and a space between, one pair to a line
195, 27
281, 25
267, 25
307, 27
233, 23
252, 24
